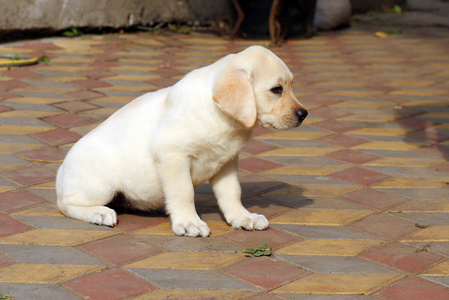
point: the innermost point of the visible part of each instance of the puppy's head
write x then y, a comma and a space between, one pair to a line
256, 88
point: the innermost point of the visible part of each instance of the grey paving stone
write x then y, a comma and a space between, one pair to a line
37, 254
34, 106
327, 297
49, 195
420, 194
314, 202
307, 161
336, 264
36, 291
443, 280
437, 247
398, 153
188, 279
175, 243
298, 143
429, 219
408, 171
326, 232
60, 223
309, 179
23, 122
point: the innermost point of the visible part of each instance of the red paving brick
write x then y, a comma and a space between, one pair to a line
121, 249
10, 226
14, 200
335, 126
360, 176
46, 154
260, 272
403, 257
110, 284
68, 121
375, 198
414, 288
385, 226
352, 156
255, 147
29, 175
57, 137
256, 165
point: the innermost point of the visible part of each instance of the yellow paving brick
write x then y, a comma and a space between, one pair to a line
443, 115
162, 294
314, 190
410, 83
17, 130
49, 185
416, 92
141, 62
216, 227
114, 99
441, 269
425, 103
46, 210
293, 135
29, 114
131, 88
73, 68
304, 151
56, 237
102, 111
336, 74
351, 93
383, 59
36, 100
430, 234
329, 66
43, 273
188, 260
422, 205
133, 77
413, 182
371, 117
5, 189
325, 217
338, 284
305, 170
47, 89
404, 162
7, 166
383, 145
134, 68
381, 131
9, 148
329, 247
359, 104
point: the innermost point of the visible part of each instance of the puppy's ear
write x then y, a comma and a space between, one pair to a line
233, 92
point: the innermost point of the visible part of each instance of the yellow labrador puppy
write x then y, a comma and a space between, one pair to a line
159, 147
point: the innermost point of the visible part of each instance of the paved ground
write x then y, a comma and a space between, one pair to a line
357, 197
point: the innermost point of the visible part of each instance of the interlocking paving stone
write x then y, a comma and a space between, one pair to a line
110, 284
259, 273
366, 173
185, 279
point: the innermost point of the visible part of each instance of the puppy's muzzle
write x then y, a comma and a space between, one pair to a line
301, 114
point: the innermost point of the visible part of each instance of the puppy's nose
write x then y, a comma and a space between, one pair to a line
301, 114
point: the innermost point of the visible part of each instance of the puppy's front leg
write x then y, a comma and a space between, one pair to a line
174, 172
227, 190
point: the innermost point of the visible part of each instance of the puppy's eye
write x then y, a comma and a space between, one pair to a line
277, 90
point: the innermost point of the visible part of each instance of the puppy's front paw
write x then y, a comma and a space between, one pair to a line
102, 215
191, 228
250, 221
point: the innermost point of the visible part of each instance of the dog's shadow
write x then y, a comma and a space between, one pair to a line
270, 198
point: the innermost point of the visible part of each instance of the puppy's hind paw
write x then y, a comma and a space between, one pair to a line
103, 216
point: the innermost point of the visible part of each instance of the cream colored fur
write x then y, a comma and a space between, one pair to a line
159, 147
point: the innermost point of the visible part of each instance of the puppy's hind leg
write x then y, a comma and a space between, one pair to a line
77, 206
